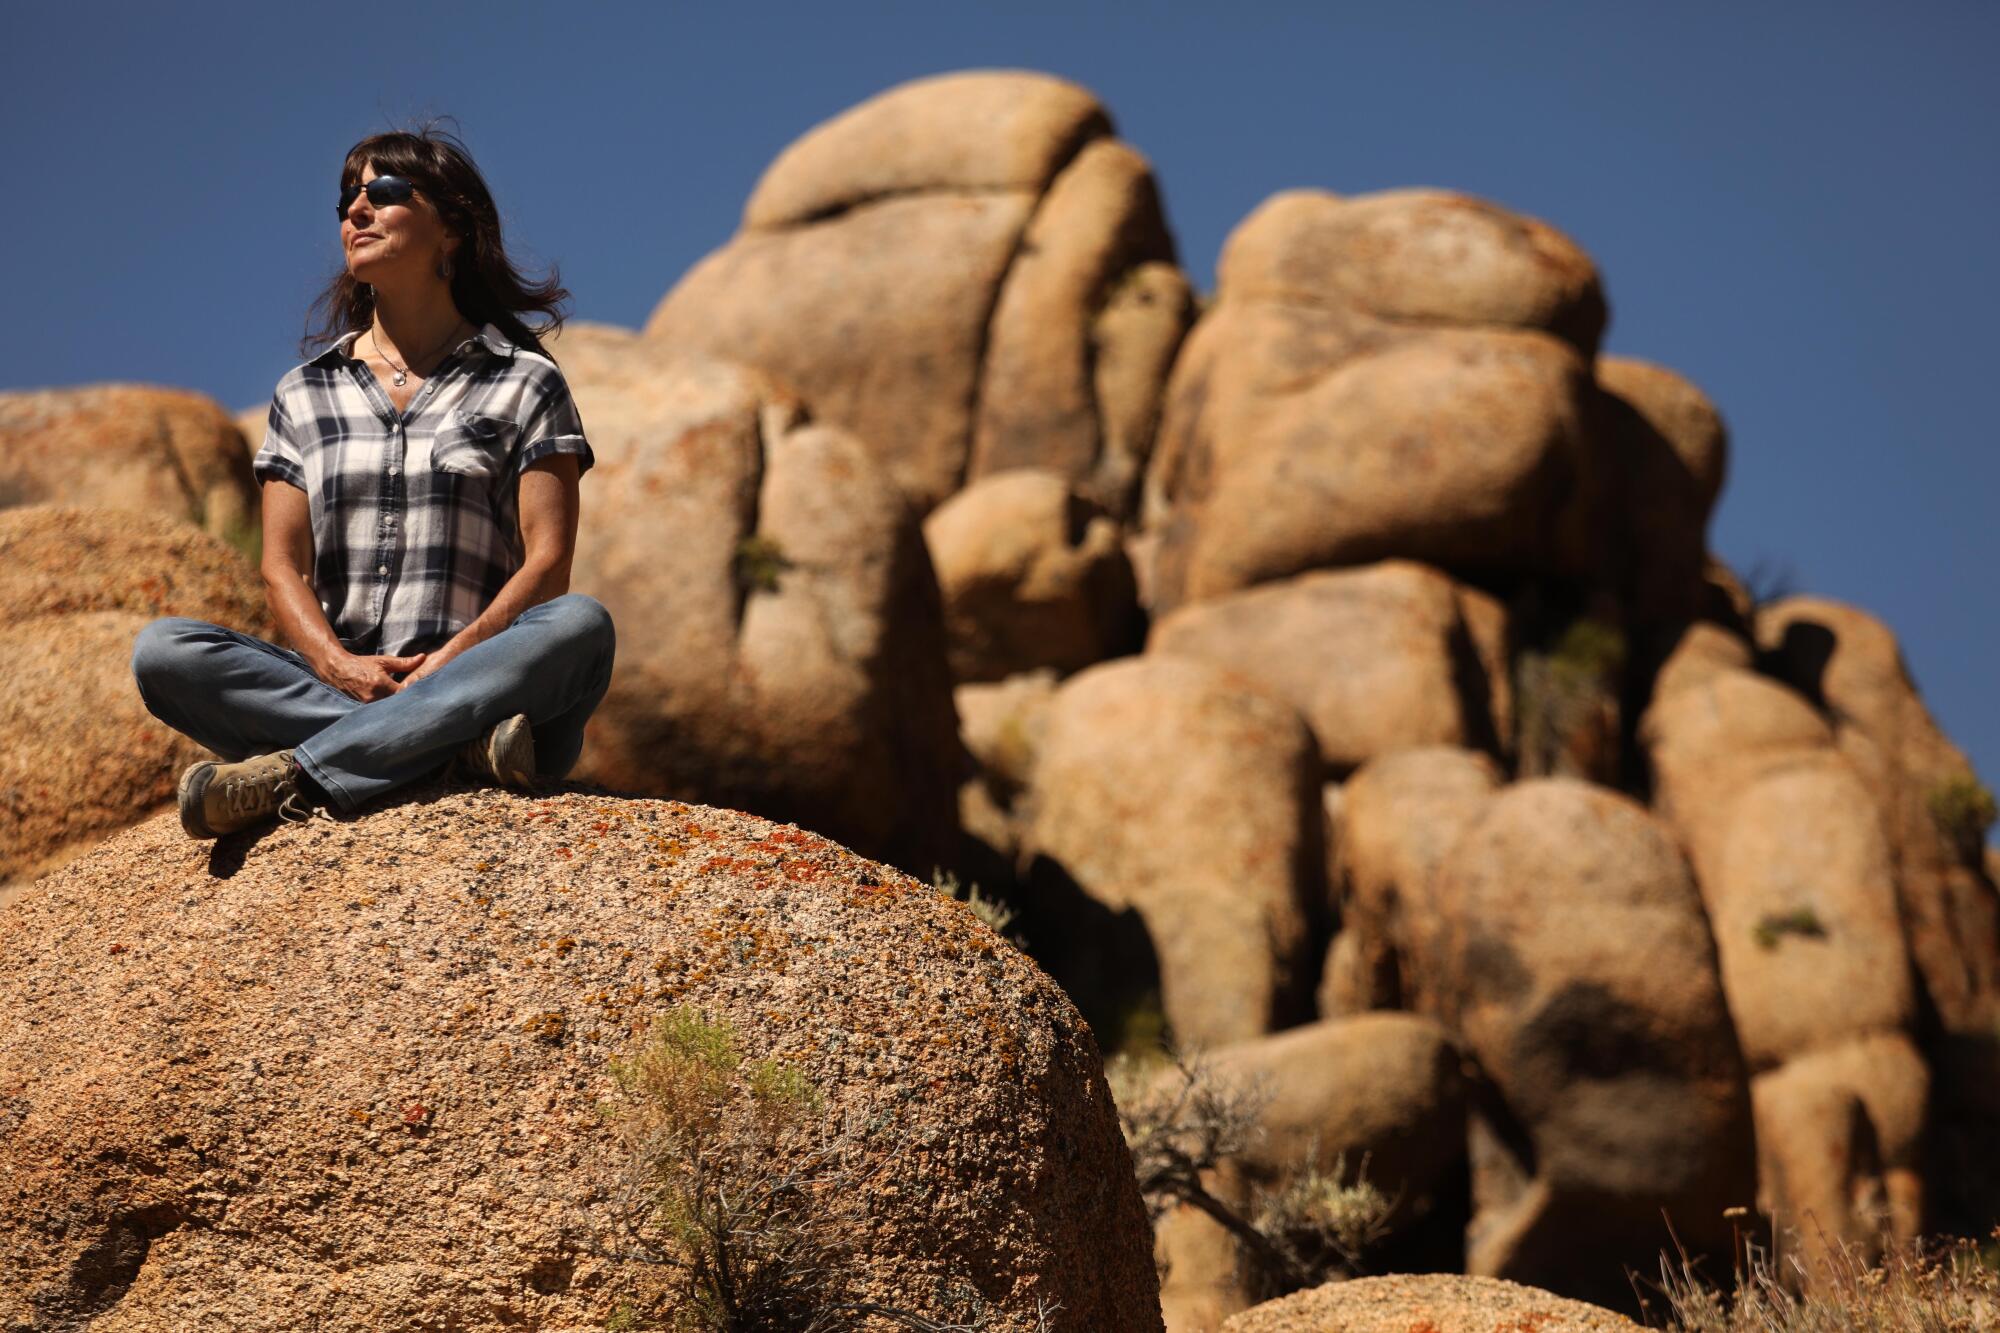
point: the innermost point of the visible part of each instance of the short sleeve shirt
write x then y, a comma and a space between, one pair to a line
415, 519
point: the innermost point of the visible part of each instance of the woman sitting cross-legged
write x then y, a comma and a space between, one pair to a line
419, 483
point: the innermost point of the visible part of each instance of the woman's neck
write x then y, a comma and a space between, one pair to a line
413, 328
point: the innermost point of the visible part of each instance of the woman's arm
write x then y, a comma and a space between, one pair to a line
286, 566
549, 505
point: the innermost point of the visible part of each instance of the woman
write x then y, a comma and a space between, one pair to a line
419, 483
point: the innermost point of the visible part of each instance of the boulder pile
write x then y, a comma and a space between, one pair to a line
1332, 675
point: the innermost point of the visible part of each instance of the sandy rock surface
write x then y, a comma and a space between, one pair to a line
1427, 1303
351, 1071
82, 756
169, 453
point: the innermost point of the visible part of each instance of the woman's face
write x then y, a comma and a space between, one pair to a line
395, 245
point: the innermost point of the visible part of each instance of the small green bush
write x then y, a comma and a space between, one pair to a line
758, 562
1800, 921
1963, 810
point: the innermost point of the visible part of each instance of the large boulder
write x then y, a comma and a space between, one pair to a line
353, 1073
1578, 970
1399, 817
1404, 374
1668, 451
170, 453
83, 756
967, 271
1379, 1097
1032, 575
1179, 792
1427, 1303
780, 642
1377, 659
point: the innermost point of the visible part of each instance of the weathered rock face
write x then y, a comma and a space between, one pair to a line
164, 452
1668, 452
1432, 1302
1380, 1089
1032, 576
1351, 399
1178, 791
1801, 896
1848, 661
1578, 970
968, 272
1399, 817
780, 641
83, 756
351, 1073
1376, 659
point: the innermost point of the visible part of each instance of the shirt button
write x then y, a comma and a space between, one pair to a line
381, 569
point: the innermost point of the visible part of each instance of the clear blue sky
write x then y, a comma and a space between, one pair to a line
1792, 204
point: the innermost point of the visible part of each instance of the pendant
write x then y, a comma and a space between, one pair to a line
399, 378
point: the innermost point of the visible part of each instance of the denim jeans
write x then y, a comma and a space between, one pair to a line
240, 696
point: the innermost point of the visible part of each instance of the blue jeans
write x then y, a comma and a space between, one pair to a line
240, 696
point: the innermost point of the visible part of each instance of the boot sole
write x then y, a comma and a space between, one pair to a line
513, 753
193, 787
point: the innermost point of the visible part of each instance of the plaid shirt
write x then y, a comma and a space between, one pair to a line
414, 515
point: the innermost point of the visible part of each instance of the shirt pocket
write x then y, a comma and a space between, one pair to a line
469, 445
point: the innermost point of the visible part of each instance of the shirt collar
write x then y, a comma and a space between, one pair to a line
490, 336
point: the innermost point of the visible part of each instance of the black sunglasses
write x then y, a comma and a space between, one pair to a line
382, 190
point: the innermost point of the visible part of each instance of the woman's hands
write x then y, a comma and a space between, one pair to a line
367, 678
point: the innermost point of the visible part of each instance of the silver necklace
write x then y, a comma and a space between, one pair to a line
403, 372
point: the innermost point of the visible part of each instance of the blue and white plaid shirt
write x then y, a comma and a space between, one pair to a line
415, 522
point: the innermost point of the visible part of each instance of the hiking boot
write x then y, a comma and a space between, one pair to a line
505, 754
221, 798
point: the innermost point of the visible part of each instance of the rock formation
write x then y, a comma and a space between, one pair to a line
779, 638
967, 271
166, 453
83, 756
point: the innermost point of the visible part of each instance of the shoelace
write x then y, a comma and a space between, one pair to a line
245, 796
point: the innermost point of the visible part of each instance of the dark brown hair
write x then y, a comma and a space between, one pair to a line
485, 285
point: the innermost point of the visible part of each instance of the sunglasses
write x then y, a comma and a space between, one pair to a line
382, 190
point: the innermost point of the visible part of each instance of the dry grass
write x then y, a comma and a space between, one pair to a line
1915, 1288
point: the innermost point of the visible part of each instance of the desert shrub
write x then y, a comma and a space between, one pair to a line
1915, 1288
992, 911
1963, 810
1800, 921
1181, 1125
1566, 695
757, 563
738, 1196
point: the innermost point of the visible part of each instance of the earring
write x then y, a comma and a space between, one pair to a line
444, 268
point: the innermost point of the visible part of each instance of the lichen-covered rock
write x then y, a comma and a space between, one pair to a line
1178, 791
82, 755
780, 646
351, 1073
169, 453
1396, 375
1577, 968
1377, 659
1032, 576
1427, 1303
968, 272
